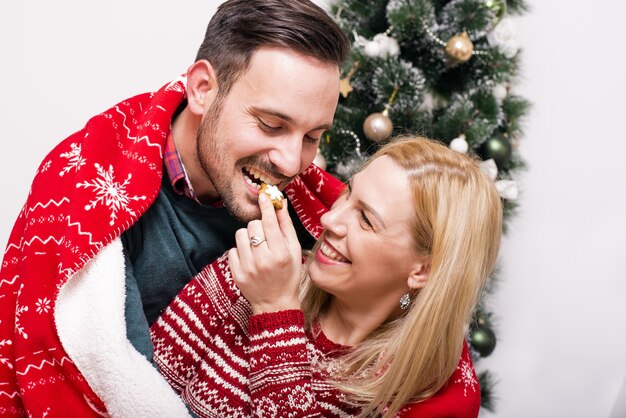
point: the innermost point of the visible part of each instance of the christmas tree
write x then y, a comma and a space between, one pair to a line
444, 69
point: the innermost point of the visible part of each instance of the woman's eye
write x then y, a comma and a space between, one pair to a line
364, 219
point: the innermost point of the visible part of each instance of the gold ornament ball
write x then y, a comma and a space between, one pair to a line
460, 47
319, 160
377, 127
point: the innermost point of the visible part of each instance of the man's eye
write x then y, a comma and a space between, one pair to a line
310, 139
268, 128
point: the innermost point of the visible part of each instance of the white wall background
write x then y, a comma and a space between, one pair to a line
561, 303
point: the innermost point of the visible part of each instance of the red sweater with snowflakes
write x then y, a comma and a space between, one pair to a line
226, 362
63, 345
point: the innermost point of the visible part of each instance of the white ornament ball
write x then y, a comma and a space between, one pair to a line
490, 168
504, 37
393, 49
381, 46
372, 49
459, 144
428, 103
500, 92
507, 189
388, 46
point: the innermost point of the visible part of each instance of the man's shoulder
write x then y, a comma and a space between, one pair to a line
312, 194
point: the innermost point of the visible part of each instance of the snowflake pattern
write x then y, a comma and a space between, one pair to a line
45, 166
468, 379
43, 305
135, 156
5, 360
75, 160
19, 310
110, 193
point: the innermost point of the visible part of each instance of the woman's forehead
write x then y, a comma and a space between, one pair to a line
384, 186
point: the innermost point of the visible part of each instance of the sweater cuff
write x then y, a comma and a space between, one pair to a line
270, 321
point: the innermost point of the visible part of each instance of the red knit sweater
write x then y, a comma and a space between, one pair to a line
226, 362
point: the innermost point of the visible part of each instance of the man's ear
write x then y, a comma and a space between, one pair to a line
419, 275
201, 87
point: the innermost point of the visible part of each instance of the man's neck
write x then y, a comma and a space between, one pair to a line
184, 133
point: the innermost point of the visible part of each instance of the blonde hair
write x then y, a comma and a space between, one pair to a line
458, 224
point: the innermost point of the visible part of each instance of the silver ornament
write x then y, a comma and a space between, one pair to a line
378, 126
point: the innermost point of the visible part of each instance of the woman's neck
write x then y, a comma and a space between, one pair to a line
349, 326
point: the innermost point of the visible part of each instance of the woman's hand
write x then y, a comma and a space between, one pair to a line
268, 273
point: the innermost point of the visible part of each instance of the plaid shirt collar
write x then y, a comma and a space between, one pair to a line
176, 170
178, 175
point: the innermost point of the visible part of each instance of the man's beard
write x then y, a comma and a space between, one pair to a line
211, 155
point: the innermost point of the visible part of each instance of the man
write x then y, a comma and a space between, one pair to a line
123, 213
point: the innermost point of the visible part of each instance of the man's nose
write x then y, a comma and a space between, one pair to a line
287, 155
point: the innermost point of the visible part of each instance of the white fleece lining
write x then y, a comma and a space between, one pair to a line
90, 322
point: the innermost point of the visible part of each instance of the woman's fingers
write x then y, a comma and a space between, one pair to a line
242, 241
278, 225
256, 233
286, 225
235, 264
266, 262
271, 228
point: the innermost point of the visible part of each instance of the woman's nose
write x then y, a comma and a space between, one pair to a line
334, 220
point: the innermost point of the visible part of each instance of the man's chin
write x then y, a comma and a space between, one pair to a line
244, 212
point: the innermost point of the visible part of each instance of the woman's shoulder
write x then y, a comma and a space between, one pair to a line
459, 398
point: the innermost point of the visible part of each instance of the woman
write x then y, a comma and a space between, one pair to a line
385, 306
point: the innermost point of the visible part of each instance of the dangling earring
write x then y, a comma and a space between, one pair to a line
405, 300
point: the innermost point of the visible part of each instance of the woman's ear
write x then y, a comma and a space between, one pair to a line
419, 276
201, 87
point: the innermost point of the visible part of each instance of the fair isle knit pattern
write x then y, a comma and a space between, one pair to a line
88, 190
226, 362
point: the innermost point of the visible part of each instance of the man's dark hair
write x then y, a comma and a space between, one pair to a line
240, 27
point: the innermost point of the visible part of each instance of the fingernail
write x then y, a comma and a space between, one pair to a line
262, 197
